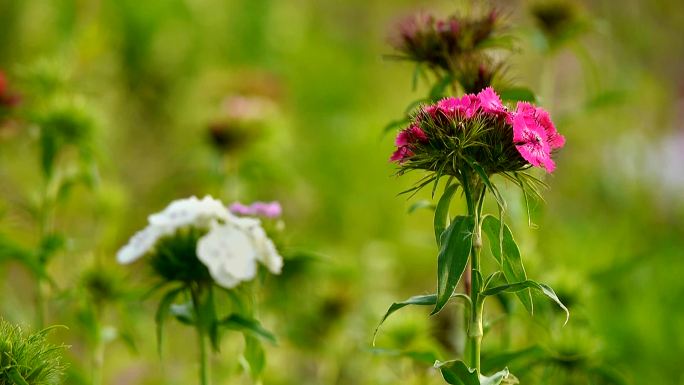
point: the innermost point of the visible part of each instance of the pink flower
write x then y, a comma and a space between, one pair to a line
490, 102
410, 136
531, 141
260, 209
405, 140
468, 105
554, 139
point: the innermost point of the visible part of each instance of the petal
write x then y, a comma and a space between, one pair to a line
229, 254
140, 244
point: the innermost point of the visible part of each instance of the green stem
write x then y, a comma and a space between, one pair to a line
475, 328
200, 324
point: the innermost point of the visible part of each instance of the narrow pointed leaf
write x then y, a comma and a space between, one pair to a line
518, 286
442, 211
456, 372
162, 311
421, 300
506, 252
421, 204
247, 325
453, 258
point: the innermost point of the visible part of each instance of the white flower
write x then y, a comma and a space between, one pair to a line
230, 250
190, 211
140, 244
229, 254
266, 250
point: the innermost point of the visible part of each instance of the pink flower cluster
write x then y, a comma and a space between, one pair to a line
534, 134
257, 209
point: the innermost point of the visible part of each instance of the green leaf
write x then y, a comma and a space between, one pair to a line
14, 375
485, 179
247, 325
421, 300
518, 286
518, 94
442, 211
506, 252
183, 312
254, 356
457, 372
456, 242
163, 311
438, 89
421, 204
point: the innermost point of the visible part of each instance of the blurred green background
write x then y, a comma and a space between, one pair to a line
158, 76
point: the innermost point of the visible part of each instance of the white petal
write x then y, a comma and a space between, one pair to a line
140, 244
229, 254
266, 250
190, 211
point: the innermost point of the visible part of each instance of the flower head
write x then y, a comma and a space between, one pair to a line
453, 135
443, 42
193, 239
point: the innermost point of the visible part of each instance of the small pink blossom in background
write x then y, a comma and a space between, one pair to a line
257, 209
531, 142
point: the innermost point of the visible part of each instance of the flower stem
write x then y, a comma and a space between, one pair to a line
200, 325
475, 328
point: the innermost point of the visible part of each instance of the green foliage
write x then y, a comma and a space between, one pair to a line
507, 254
456, 242
28, 359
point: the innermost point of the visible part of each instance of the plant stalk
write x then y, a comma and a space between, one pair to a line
475, 327
200, 325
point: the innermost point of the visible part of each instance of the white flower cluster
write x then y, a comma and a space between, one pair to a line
230, 249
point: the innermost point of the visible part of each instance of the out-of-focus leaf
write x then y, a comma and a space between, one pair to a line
254, 356
518, 94
506, 251
183, 312
456, 242
442, 211
437, 91
421, 204
518, 286
163, 311
247, 325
